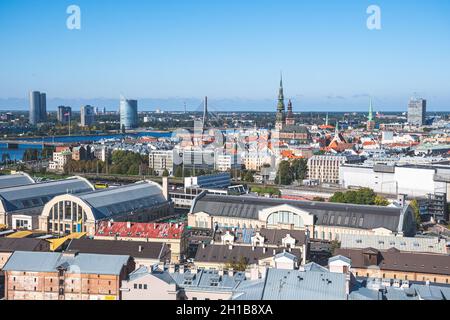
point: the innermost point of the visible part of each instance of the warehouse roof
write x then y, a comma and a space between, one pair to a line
431, 245
125, 199
38, 194
78, 263
335, 214
140, 230
23, 244
136, 249
14, 180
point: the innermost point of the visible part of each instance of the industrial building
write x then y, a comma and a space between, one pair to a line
325, 221
20, 206
144, 201
65, 276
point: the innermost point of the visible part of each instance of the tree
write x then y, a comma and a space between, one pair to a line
179, 172
240, 265
5, 157
284, 174
300, 169
249, 177
319, 199
364, 196
165, 173
416, 211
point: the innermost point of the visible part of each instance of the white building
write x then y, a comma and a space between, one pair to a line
161, 160
60, 159
325, 168
412, 180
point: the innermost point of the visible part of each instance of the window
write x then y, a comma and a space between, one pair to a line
194, 298
145, 287
135, 286
140, 286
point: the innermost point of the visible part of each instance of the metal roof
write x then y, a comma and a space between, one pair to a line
343, 215
110, 202
431, 245
14, 180
38, 194
80, 263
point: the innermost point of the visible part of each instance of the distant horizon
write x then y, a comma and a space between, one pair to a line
215, 105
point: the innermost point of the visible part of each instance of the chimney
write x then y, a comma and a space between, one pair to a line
230, 247
203, 245
128, 225
171, 268
221, 272
165, 187
253, 248
194, 270
181, 269
109, 224
230, 272
161, 266
274, 252
264, 250
401, 199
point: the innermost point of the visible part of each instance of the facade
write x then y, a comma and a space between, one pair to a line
64, 114
61, 157
324, 221
141, 202
65, 276
28, 201
87, 116
128, 114
417, 110
325, 168
161, 160
171, 234
38, 107
396, 264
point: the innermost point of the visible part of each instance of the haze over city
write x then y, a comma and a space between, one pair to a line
167, 53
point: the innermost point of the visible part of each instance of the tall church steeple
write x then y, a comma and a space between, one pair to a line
370, 121
280, 107
290, 120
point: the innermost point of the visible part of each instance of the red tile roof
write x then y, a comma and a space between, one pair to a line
141, 230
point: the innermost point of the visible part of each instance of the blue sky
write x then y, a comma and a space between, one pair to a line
167, 51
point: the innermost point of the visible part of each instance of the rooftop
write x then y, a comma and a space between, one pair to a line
141, 230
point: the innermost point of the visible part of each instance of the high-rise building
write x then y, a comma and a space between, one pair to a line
87, 116
128, 114
35, 107
64, 114
417, 110
43, 107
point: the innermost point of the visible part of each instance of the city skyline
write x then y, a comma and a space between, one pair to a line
166, 54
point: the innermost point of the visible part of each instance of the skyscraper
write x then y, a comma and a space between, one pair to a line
36, 99
128, 114
43, 107
87, 116
64, 114
417, 110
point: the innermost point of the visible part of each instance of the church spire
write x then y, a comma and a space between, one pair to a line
280, 107
371, 111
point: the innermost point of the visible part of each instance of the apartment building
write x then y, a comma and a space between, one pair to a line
325, 168
161, 160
